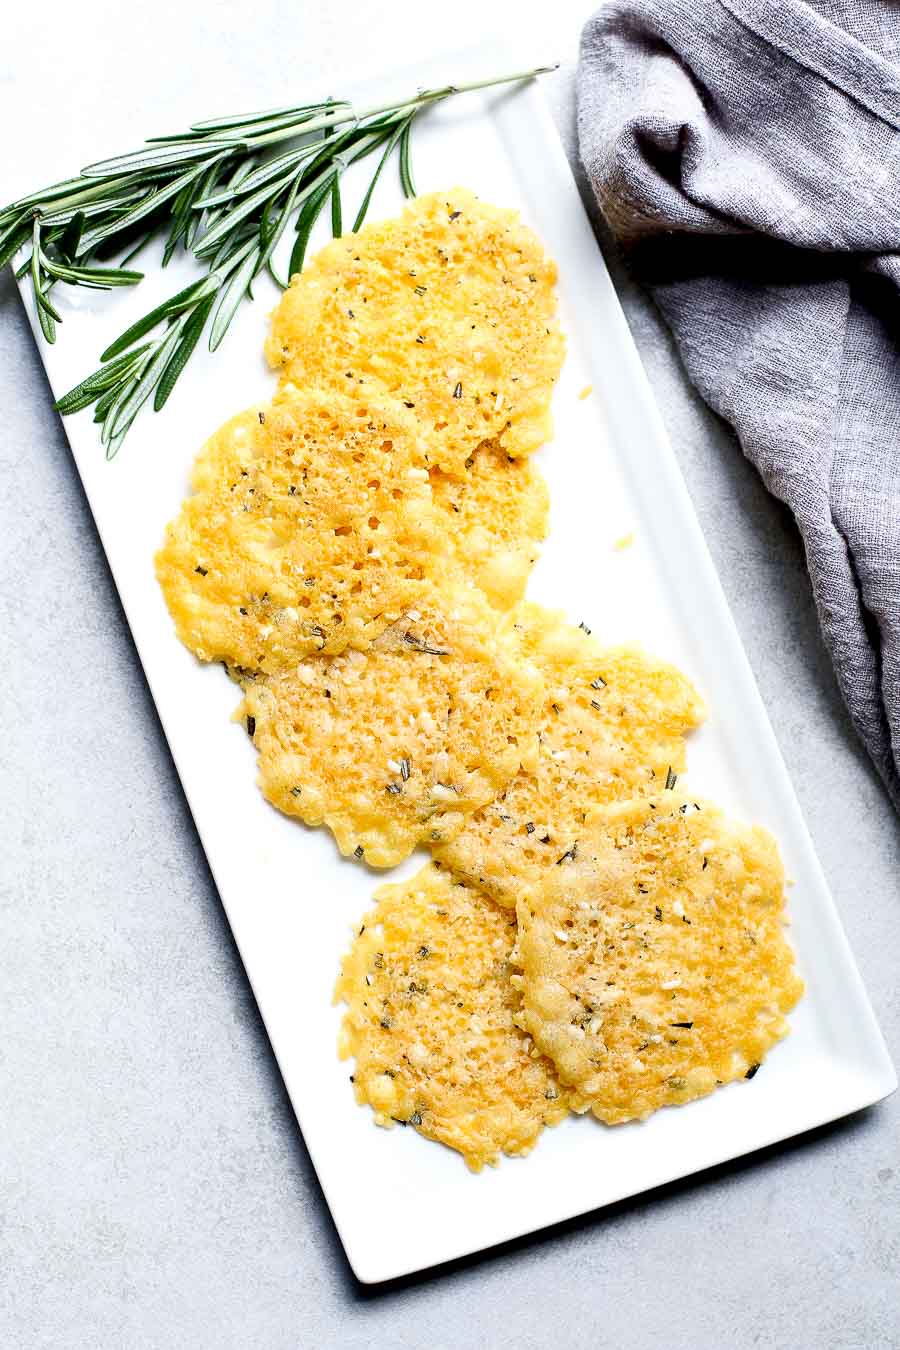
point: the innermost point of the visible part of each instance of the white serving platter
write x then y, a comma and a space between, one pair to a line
400, 1202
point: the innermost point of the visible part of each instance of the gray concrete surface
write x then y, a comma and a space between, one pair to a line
154, 1189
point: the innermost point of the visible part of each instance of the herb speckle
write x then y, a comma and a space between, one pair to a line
420, 645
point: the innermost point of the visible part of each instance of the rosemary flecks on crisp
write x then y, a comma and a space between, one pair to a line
420, 645
217, 192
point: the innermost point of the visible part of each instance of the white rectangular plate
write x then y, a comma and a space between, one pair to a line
401, 1203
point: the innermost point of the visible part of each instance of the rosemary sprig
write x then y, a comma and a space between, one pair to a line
218, 192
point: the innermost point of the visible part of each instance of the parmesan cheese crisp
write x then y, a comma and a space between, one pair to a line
450, 310
611, 726
657, 967
430, 1022
310, 527
398, 745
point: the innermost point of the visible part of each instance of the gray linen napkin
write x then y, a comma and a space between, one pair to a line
747, 154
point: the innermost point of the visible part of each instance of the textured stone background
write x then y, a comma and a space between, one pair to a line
154, 1189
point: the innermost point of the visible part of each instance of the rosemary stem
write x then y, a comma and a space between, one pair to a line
339, 115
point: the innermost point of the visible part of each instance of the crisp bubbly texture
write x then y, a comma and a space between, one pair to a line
397, 745
449, 309
310, 528
493, 518
430, 1022
315, 524
612, 727
657, 968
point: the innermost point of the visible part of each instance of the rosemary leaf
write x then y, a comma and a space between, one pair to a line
148, 158
250, 119
150, 203
232, 296
406, 178
73, 193
11, 244
198, 214
47, 315
213, 237
259, 177
46, 320
182, 353
275, 235
109, 205
71, 235
175, 305
101, 380
144, 386
364, 204
105, 401
182, 217
305, 222
337, 223
232, 247
14, 226
119, 396
95, 278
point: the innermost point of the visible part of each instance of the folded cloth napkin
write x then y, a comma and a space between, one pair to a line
747, 154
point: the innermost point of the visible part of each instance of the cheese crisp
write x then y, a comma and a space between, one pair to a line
449, 309
657, 968
494, 518
310, 528
430, 1022
612, 726
398, 745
